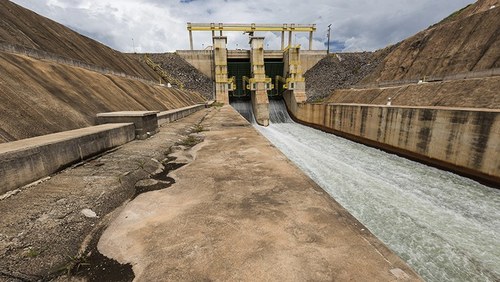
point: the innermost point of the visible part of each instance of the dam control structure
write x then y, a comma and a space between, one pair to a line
256, 74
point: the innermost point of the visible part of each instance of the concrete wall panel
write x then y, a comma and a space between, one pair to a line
173, 115
202, 60
309, 58
24, 161
461, 139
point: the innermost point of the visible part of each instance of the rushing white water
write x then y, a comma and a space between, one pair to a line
445, 226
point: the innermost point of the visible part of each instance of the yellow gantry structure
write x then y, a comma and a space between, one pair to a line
251, 28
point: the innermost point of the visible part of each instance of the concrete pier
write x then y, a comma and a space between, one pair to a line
258, 85
242, 211
220, 65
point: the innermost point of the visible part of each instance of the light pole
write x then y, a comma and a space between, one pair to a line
329, 28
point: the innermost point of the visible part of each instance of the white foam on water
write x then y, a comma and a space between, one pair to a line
445, 226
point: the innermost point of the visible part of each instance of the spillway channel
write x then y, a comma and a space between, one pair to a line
445, 226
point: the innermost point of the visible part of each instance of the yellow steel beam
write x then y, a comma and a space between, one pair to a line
250, 27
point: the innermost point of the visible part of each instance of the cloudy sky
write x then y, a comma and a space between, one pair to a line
160, 25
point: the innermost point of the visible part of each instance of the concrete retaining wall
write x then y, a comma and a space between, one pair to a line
464, 140
173, 115
145, 122
27, 160
309, 58
200, 59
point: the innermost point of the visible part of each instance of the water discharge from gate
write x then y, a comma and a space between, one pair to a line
444, 225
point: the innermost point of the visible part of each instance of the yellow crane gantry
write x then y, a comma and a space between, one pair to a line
251, 28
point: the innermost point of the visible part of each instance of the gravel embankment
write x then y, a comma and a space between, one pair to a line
192, 78
340, 70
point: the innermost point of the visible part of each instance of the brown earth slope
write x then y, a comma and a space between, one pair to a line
40, 97
21, 26
467, 40
470, 93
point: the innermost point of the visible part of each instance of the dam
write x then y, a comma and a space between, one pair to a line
253, 163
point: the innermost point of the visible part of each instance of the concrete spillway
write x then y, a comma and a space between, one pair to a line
445, 226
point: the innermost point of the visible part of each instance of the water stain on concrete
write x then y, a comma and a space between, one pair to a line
94, 266
160, 180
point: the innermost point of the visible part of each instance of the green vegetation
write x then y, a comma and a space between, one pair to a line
217, 104
33, 253
141, 164
189, 141
74, 264
317, 100
198, 128
168, 151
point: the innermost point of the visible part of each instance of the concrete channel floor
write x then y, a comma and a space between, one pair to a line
240, 210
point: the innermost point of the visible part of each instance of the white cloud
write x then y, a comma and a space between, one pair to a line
160, 26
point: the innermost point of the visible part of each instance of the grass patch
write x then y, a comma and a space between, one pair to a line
33, 253
141, 164
74, 265
198, 128
217, 104
189, 141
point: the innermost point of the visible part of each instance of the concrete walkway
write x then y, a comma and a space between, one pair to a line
242, 211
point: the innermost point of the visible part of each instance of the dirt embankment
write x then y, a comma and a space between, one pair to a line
470, 93
40, 97
23, 27
468, 40
192, 78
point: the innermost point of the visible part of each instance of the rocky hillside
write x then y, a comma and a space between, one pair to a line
340, 70
179, 68
467, 40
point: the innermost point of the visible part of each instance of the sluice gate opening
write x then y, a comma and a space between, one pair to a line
240, 69
256, 74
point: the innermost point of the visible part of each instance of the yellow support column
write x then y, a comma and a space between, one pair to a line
296, 85
220, 63
258, 84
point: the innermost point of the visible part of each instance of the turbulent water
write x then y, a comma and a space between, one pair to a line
445, 226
